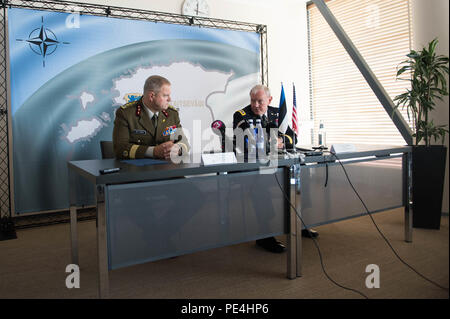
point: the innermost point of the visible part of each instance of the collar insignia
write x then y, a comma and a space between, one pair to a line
138, 110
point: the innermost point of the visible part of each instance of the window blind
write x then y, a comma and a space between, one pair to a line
340, 96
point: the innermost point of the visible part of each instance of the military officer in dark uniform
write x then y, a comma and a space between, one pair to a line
259, 108
149, 127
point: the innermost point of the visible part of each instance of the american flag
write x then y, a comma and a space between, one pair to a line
294, 113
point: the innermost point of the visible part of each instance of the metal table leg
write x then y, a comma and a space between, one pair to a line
102, 243
298, 205
299, 248
73, 217
294, 242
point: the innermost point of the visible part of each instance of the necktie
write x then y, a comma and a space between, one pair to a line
264, 121
155, 121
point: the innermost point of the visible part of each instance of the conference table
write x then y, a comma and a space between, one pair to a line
152, 210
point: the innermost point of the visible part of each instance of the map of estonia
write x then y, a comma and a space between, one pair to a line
185, 93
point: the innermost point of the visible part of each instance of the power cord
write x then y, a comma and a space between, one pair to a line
382, 235
317, 245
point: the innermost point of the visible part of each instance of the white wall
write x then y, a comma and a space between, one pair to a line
430, 20
286, 39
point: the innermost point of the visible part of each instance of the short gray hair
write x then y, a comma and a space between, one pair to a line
259, 87
154, 83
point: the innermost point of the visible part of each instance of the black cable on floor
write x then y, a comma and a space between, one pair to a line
317, 246
382, 235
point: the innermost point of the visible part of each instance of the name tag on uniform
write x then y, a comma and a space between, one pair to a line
140, 132
170, 130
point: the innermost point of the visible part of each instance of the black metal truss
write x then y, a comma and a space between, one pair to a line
97, 10
5, 198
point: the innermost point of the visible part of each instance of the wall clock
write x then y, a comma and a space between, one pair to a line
195, 8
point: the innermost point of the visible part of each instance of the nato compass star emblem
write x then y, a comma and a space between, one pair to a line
43, 41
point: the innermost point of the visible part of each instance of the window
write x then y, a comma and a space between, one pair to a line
340, 96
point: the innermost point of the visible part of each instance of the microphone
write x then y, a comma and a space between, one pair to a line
218, 128
218, 125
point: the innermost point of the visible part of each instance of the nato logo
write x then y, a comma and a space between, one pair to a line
43, 41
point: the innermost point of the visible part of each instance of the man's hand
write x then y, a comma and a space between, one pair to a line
163, 150
166, 150
174, 153
280, 143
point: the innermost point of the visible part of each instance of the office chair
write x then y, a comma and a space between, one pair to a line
107, 149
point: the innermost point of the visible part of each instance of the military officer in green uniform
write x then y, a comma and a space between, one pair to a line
150, 127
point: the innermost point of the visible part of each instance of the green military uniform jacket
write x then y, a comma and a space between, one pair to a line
134, 131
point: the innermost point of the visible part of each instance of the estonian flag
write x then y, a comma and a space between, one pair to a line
282, 112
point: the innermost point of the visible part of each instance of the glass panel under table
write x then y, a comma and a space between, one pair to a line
148, 221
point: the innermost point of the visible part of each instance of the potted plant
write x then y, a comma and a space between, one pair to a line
427, 71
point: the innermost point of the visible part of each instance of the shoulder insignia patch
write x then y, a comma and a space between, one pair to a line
131, 97
129, 104
173, 108
242, 112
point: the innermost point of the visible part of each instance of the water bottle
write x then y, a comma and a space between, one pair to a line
322, 135
260, 141
251, 141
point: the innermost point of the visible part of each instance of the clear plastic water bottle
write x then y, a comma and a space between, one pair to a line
322, 135
252, 141
260, 140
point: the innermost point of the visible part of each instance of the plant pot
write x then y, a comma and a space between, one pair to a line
428, 173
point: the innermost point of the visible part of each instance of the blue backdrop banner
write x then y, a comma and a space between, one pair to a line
70, 72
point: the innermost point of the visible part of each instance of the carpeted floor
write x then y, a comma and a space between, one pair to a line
34, 264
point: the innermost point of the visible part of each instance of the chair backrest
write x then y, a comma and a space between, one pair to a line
107, 149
